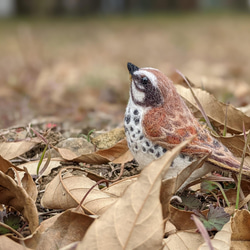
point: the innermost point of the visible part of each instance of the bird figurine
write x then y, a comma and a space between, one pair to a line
157, 119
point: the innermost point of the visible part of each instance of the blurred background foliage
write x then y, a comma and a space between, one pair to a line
67, 58
83, 7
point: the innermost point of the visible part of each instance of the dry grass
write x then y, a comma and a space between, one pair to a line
71, 66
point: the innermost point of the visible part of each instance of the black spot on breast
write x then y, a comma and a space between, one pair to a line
141, 137
136, 112
131, 129
143, 149
136, 120
151, 150
127, 119
136, 147
182, 156
190, 158
138, 131
172, 164
156, 146
164, 150
133, 135
147, 143
158, 154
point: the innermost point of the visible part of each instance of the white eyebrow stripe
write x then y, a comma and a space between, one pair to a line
150, 68
148, 74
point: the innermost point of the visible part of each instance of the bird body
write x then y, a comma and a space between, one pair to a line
157, 119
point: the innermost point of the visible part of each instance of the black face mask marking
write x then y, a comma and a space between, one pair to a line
152, 95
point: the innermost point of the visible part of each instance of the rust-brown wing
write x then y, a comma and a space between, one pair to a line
169, 132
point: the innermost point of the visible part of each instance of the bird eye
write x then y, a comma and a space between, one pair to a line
144, 80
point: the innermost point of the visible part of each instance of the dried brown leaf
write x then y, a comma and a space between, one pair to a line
5, 165
120, 186
235, 143
15, 196
182, 219
10, 150
67, 190
183, 240
178, 179
98, 157
66, 153
7, 243
241, 226
32, 166
59, 231
126, 157
29, 185
169, 228
142, 209
216, 110
242, 245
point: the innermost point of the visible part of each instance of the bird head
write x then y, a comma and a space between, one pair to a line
150, 87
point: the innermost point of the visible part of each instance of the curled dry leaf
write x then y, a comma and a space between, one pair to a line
15, 196
29, 185
59, 231
183, 240
169, 228
216, 110
136, 214
67, 190
126, 157
10, 150
5, 165
235, 143
120, 186
182, 219
32, 166
7, 243
99, 157
241, 226
170, 186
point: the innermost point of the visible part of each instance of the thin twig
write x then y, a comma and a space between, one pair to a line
11, 229
247, 139
121, 173
225, 125
197, 101
221, 189
203, 231
85, 196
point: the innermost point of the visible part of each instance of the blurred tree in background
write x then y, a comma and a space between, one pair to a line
83, 7
48, 64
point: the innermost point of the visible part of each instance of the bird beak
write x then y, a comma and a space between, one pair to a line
132, 68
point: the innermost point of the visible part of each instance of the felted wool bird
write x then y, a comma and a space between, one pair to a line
157, 119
